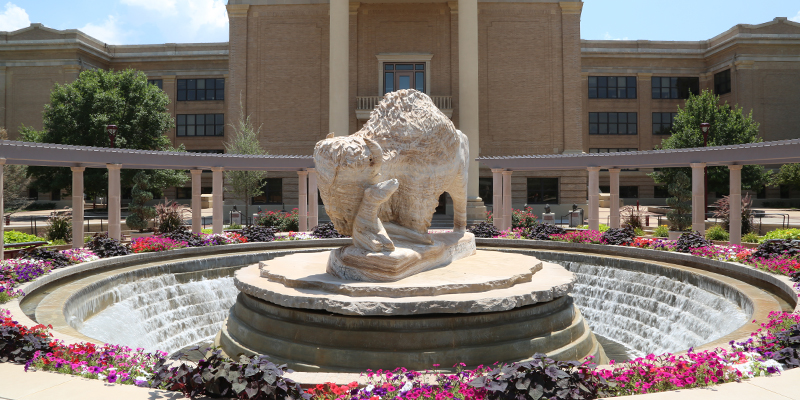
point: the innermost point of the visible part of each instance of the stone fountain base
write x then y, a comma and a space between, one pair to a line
490, 307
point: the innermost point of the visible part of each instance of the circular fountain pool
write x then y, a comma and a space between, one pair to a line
646, 306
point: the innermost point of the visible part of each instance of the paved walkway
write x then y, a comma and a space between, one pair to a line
16, 384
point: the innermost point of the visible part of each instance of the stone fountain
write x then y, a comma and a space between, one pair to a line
399, 296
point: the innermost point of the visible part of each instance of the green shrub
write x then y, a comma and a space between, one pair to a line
207, 231
717, 232
20, 237
59, 227
793, 233
603, 227
750, 237
234, 225
638, 232
661, 231
282, 221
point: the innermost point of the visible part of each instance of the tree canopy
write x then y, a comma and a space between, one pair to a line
729, 126
79, 112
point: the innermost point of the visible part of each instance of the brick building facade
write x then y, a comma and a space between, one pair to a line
540, 89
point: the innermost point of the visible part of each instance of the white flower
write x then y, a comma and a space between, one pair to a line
408, 386
101, 377
369, 388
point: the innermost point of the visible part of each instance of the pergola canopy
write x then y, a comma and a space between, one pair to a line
764, 153
59, 155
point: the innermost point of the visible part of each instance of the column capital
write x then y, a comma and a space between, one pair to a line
2, 161
354, 5
571, 7
453, 7
311, 170
238, 10
196, 171
614, 170
217, 169
593, 169
735, 167
497, 170
114, 166
698, 165
169, 78
644, 75
302, 173
77, 169
507, 172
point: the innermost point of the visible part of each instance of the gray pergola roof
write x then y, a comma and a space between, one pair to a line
777, 152
58, 155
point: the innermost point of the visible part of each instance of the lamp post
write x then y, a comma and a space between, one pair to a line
112, 134
705, 127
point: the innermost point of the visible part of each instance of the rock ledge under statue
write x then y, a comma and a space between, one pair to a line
354, 263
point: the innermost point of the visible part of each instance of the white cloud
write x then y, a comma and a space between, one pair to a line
608, 36
166, 6
109, 31
796, 18
14, 18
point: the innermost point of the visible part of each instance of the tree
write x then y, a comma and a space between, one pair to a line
78, 113
680, 213
15, 183
789, 175
140, 213
245, 184
729, 126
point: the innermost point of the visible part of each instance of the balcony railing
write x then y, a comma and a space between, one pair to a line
365, 105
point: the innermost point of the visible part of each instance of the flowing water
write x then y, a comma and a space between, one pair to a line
651, 313
163, 314
647, 313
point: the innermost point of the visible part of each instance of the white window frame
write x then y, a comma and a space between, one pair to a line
410, 58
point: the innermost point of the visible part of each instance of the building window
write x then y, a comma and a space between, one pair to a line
183, 193
397, 76
610, 150
272, 192
612, 123
786, 191
157, 82
216, 151
625, 192
660, 192
662, 122
542, 190
722, 82
762, 192
201, 124
201, 89
675, 88
612, 87
486, 189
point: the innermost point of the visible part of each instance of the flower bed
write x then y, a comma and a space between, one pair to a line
771, 349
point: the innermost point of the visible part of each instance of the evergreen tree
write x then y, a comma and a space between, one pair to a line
140, 213
244, 185
680, 213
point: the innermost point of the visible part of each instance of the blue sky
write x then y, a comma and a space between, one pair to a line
181, 21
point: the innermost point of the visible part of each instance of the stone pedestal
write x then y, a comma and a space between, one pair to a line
549, 218
493, 306
351, 262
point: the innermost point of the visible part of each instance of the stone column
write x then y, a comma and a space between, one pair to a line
302, 200
77, 207
197, 201
236, 84
339, 92
3, 97
216, 197
468, 100
2, 207
114, 207
698, 198
497, 200
507, 200
313, 200
614, 207
571, 62
735, 201
594, 198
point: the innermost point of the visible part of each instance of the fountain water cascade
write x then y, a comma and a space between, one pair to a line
162, 313
651, 313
